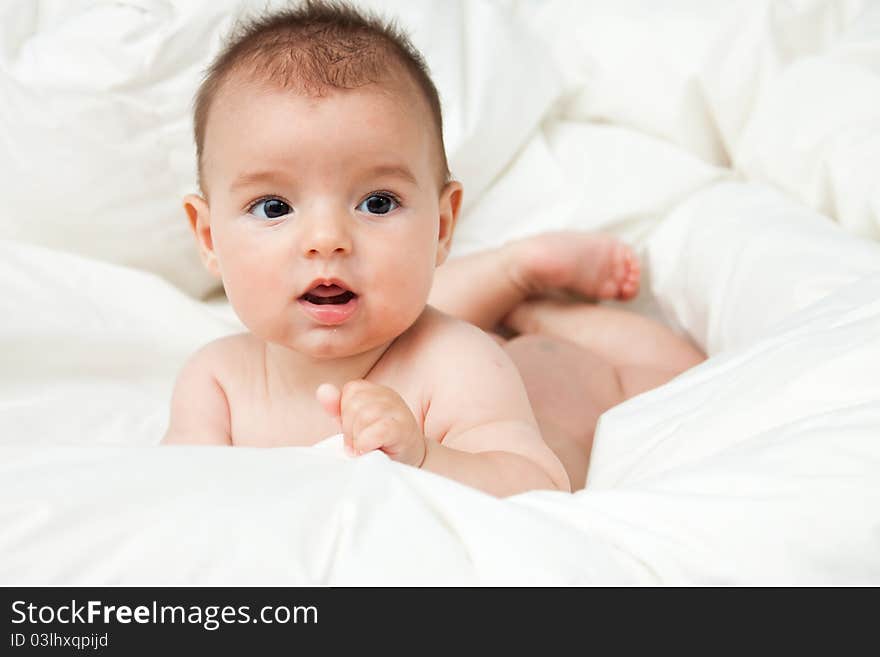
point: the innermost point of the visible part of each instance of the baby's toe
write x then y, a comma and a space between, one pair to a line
608, 289
629, 286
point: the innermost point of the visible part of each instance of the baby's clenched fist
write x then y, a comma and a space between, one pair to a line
375, 417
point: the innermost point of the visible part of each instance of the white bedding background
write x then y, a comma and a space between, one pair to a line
735, 143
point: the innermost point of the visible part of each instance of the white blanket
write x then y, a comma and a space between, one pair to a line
760, 466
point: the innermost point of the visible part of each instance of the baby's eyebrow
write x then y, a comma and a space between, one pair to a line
388, 170
392, 171
253, 177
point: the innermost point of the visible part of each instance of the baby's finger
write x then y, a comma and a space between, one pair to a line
330, 398
367, 413
347, 445
372, 437
347, 425
354, 394
355, 400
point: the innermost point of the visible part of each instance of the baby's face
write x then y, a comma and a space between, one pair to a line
326, 217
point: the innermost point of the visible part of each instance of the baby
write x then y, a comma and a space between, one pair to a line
327, 205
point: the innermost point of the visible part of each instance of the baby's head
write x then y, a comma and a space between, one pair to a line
326, 201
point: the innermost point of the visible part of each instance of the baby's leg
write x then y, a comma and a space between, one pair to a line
569, 388
478, 288
484, 287
637, 346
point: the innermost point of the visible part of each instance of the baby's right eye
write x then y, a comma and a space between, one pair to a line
270, 208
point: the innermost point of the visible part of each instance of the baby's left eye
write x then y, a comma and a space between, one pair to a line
378, 204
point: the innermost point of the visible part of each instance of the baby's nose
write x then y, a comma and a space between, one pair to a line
326, 238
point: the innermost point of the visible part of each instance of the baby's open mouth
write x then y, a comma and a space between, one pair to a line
322, 295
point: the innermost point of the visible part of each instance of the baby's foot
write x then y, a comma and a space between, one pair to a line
590, 264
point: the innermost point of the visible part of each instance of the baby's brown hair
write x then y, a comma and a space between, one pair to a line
316, 46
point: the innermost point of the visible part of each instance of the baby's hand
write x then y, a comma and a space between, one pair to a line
375, 417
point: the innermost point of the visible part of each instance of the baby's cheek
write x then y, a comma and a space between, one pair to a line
404, 300
252, 289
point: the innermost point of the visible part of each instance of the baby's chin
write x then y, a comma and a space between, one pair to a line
346, 340
330, 343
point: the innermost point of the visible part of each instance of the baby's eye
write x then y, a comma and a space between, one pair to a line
270, 208
378, 204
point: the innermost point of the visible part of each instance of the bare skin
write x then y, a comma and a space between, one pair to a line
483, 288
576, 359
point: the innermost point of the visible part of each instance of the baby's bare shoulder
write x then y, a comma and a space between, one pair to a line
225, 357
465, 372
200, 403
440, 340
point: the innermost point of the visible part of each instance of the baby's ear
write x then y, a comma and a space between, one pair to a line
450, 204
200, 221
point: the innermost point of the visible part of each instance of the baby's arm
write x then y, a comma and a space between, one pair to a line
478, 427
501, 458
480, 409
199, 409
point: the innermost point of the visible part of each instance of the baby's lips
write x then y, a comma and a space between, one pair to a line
327, 287
327, 290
